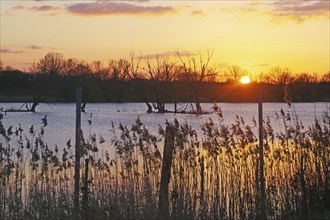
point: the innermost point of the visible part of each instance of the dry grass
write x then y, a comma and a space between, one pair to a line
214, 176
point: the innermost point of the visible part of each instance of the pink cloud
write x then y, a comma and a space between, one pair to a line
116, 8
34, 47
7, 50
18, 7
286, 10
300, 11
44, 8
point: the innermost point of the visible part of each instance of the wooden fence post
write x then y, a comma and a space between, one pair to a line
77, 152
85, 192
163, 212
262, 199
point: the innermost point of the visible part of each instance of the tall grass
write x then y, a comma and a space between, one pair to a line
214, 175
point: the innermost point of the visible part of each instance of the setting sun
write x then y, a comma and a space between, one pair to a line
245, 80
157, 27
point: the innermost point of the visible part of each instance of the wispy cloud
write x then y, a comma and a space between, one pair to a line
18, 7
117, 8
33, 47
280, 11
47, 10
197, 13
131, 0
261, 65
168, 54
224, 65
299, 11
12, 10
19, 49
7, 50
44, 8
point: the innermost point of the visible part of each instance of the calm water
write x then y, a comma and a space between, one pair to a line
61, 117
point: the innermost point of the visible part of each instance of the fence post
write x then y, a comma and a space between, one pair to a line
262, 198
77, 152
85, 193
163, 212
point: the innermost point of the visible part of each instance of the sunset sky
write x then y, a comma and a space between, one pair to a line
256, 35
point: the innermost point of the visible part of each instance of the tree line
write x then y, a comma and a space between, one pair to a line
155, 81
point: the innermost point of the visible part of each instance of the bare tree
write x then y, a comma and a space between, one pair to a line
235, 73
196, 72
86, 80
326, 77
116, 69
51, 64
133, 72
99, 70
306, 78
161, 72
43, 75
70, 67
66, 76
260, 78
279, 75
112, 78
9, 68
133, 69
39, 82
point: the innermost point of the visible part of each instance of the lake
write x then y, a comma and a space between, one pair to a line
61, 117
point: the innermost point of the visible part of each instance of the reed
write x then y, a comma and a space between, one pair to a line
213, 175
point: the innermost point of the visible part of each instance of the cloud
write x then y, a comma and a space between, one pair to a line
168, 54
197, 13
6, 50
116, 8
44, 8
132, 0
33, 47
261, 65
299, 11
285, 10
225, 65
18, 7
12, 10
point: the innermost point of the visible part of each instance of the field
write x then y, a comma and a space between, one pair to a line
215, 175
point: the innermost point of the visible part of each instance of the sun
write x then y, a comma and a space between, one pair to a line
245, 80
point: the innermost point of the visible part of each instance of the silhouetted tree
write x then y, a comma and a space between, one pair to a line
235, 73
161, 72
134, 73
159, 80
306, 78
326, 77
67, 77
39, 82
196, 72
112, 79
51, 64
14, 79
279, 75
44, 75
86, 80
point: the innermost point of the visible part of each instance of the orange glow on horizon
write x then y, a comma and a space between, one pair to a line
114, 30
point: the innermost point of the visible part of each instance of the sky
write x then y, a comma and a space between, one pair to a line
255, 35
